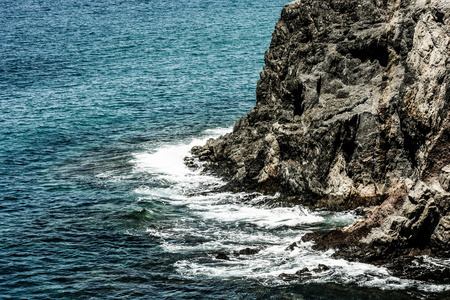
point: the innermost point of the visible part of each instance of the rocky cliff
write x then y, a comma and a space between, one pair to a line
353, 110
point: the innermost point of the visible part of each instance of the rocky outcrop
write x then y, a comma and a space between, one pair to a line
352, 110
405, 225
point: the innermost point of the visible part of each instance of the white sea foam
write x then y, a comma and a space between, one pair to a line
167, 161
220, 222
260, 216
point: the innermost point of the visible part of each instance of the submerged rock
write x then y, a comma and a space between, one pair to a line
304, 273
246, 251
292, 246
300, 274
353, 110
321, 268
222, 256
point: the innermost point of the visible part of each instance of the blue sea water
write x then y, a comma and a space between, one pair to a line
100, 101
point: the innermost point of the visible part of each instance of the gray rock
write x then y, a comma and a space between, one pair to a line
350, 100
444, 178
352, 107
441, 235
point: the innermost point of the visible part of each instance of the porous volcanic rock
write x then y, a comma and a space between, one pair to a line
352, 110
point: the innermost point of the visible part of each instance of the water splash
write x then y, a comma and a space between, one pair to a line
238, 235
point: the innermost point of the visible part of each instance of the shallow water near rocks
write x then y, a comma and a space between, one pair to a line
100, 102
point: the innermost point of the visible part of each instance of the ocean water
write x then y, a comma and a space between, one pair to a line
100, 101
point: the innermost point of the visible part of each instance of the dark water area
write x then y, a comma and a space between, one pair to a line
100, 101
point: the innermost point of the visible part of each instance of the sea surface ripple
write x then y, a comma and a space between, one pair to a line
100, 101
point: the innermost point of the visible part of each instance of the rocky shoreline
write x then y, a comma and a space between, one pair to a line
353, 111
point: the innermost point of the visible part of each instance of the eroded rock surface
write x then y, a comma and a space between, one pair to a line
352, 110
405, 225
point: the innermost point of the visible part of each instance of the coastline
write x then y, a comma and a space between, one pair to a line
352, 111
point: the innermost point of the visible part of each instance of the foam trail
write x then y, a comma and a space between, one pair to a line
259, 216
227, 223
168, 160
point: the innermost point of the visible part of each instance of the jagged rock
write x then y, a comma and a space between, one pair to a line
413, 268
360, 229
321, 268
288, 277
350, 103
292, 246
222, 256
352, 110
191, 163
246, 251
303, 272
440, 239
410, 222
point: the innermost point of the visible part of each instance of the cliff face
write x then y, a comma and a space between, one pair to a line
352, 108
